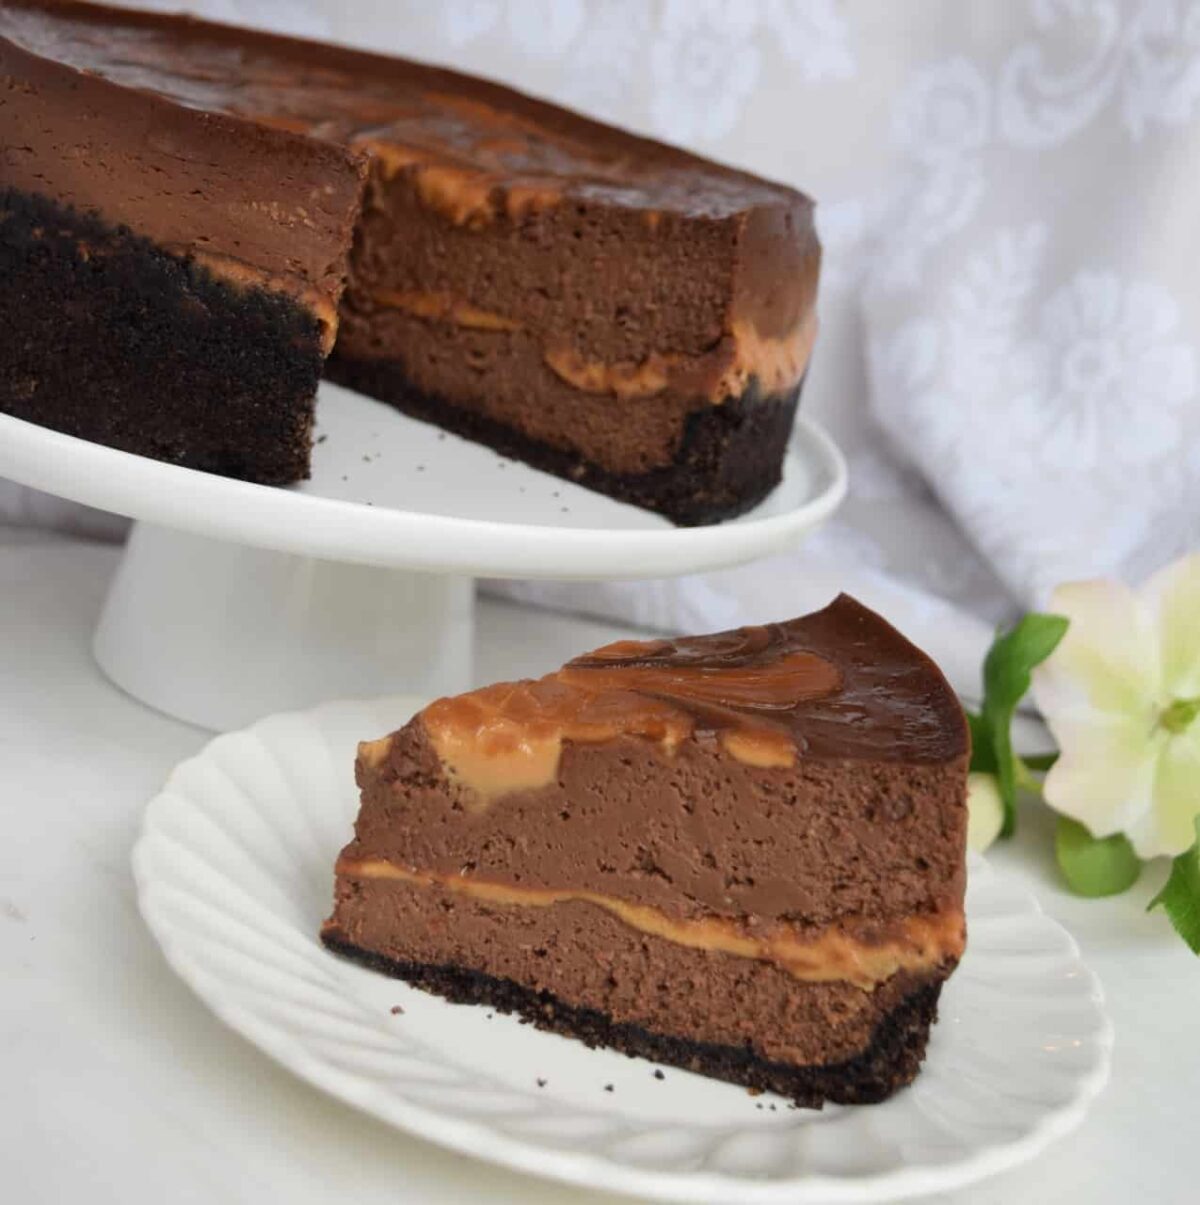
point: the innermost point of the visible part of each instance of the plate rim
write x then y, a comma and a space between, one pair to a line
284, 520
480, 1141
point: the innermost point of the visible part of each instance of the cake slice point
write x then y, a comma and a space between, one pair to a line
742, 854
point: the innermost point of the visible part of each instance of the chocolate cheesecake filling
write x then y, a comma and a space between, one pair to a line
719, 372
862, 953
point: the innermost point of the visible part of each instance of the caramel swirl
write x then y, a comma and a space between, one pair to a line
443, 307
776, 363
509, 737
622, 378
862, 953
241, 275
461, 196
740, 682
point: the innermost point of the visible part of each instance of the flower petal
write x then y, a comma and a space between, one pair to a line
985, 810
1107, 662
1172, 595
1105, 774
1169, 827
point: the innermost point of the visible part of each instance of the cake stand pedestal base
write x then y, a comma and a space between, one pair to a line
236, 600
219, 634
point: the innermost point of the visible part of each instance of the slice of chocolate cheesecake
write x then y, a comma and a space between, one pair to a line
179, 199
741, 854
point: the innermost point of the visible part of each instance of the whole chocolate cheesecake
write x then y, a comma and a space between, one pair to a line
741, 854
182, 205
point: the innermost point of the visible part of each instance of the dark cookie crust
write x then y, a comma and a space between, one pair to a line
730, 457
110, 338
890, 1062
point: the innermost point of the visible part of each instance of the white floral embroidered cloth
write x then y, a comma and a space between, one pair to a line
1008, 197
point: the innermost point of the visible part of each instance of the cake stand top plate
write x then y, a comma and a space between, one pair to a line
388, 490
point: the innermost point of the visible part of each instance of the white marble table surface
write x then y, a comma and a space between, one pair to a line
117, 1085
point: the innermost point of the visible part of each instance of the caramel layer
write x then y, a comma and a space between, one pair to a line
392, 157
443, 307
244, 276
463, 198
509, 737
859, 953
777, 364
622, 378
523, 200
764, 750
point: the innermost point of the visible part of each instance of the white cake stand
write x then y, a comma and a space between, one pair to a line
234, 600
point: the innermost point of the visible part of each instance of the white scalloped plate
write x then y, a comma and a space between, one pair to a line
235, 873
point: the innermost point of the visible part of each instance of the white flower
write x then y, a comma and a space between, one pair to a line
1114, 382
1121, 695
985, 811
704, 64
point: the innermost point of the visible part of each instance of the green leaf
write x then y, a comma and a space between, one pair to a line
1007, 675
1094, 866
983, 756
1039, 761
1180, 896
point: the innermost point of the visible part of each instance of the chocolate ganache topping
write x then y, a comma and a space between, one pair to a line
765, 692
